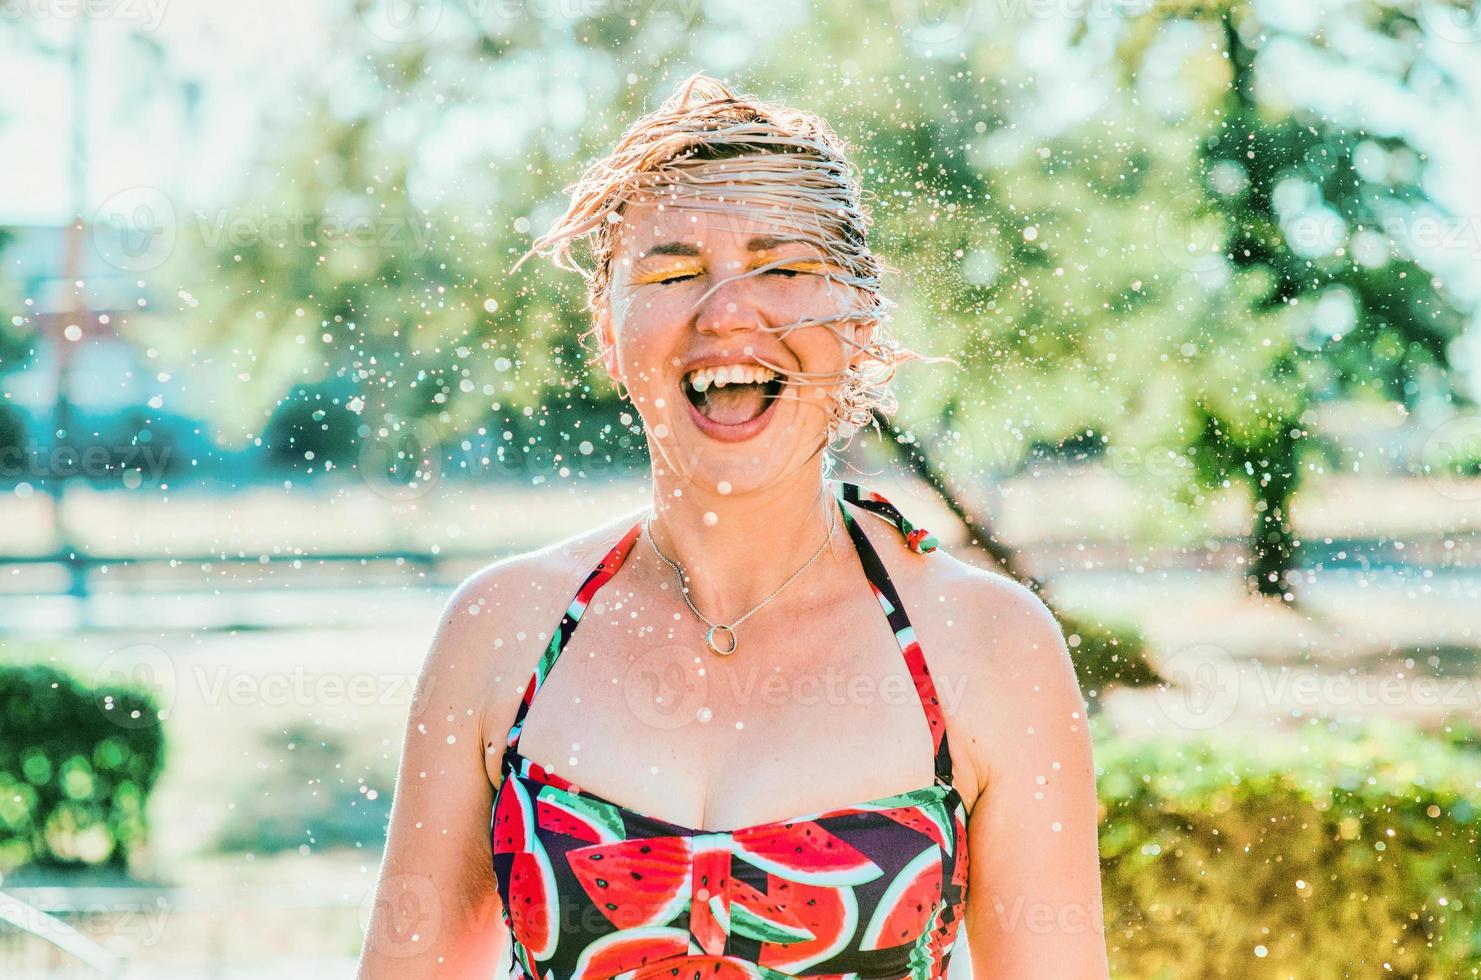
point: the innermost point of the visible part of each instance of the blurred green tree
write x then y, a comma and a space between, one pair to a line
1137, 273
1306, 214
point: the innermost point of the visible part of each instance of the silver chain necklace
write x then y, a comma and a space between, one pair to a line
730, 629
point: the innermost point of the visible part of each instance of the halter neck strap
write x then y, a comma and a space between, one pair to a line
917, 539
881, 586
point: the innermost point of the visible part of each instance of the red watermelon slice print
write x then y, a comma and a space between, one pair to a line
513, 818
635, 883
906, 907
578, 816
622, 952
764, 917
533, 902
707, 968
830, 914
805, 852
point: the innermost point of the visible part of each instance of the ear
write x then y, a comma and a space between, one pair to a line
863, 335
607, 341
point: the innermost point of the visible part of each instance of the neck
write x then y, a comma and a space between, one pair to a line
752, 544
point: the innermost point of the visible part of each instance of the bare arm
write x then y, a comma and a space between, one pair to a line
1033, 891
437, 911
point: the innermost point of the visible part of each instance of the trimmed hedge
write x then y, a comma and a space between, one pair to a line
74, 782
1319, 854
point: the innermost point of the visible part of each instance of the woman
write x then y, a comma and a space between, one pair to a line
792, 736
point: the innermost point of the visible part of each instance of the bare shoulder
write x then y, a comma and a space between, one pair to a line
498, 621
1001, 657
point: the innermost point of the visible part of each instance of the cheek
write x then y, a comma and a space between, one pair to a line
647, 310
815, 298
647, 329
820, 347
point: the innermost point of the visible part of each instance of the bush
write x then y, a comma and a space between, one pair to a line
76, 768
1106, 654
1322, 854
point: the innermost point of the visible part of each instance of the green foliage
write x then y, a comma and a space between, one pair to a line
1338, 853
1184, 265
15, 346
1458, 459
1106, 654
12, 430
77, 765
1308, 213
311, 428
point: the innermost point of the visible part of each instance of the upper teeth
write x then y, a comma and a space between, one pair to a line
730, 374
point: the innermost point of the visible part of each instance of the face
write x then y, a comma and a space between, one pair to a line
687, 285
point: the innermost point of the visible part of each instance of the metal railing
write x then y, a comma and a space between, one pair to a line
35, 943
90, 932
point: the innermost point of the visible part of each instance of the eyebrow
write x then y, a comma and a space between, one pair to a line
760, 243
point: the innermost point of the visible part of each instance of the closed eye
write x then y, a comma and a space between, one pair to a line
807, 268
800, 269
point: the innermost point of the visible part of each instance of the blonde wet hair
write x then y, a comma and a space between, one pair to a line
709, 148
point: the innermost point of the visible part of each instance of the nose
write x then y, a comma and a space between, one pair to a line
732, 307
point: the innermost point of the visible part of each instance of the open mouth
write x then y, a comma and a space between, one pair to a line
733, 394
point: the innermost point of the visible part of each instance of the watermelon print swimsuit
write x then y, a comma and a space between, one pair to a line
593, 890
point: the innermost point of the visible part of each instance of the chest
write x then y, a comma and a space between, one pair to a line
815, 709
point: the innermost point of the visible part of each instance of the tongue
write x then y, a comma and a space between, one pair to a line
734, 403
